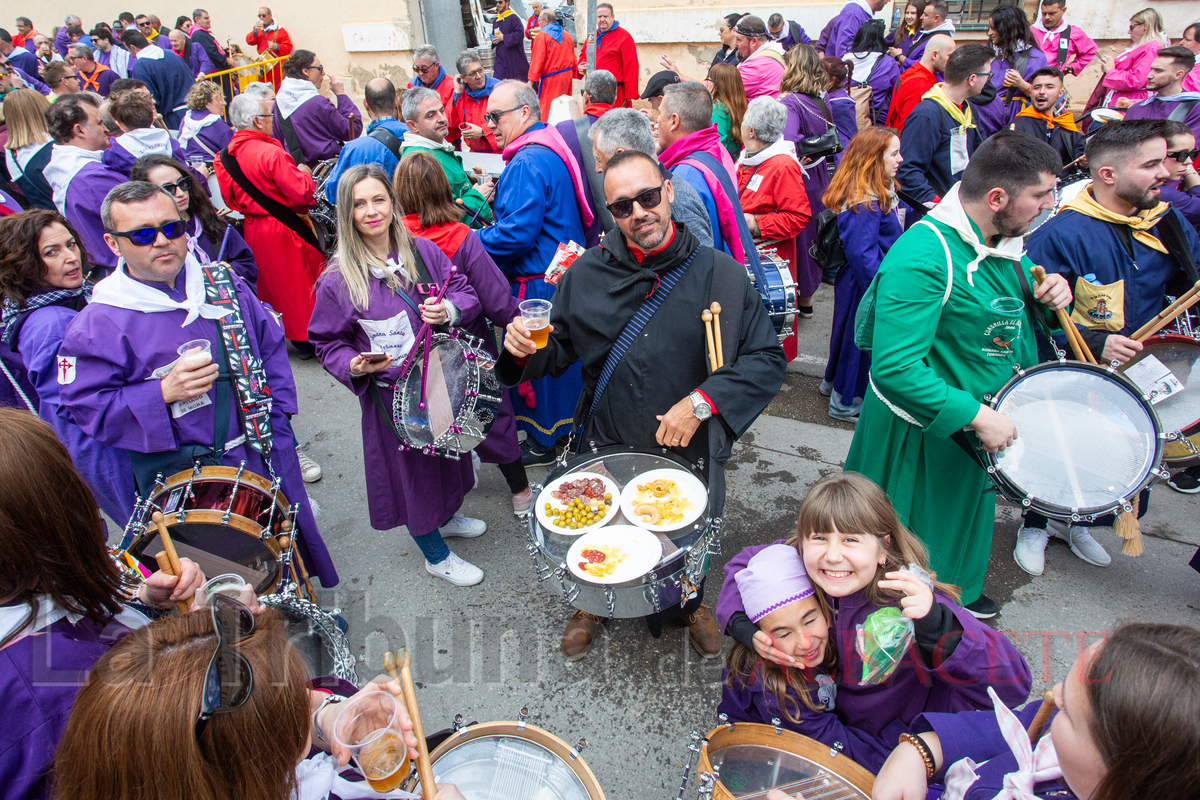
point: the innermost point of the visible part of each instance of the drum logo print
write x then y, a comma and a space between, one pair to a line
1100, 312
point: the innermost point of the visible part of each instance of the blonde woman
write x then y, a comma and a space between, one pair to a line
27, 150
1125, 76
368, 302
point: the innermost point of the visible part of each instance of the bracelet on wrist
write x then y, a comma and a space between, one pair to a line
923, 749
330, 699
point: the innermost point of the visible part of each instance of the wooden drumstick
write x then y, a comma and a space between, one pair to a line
1168, 314
715, 308
424, 769
1078, 347
707, 316
172, 565
1039, 720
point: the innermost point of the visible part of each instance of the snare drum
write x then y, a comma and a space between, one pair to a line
1065, 190
1180, 412
747, 760
1087, 442
686, 551
511, 760
316, 636
323, 213
780, 296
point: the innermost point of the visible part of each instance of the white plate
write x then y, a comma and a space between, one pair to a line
687, 483
610, 487
642, 551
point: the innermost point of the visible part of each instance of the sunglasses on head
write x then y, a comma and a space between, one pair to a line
229, 679
621, 209
147, 236
1184, 155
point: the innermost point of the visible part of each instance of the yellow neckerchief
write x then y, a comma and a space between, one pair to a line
508, 12
1086, 204
938, 95
1063, 120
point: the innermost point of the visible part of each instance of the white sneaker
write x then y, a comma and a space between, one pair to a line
309, 469
1030, 552
460, 527
456, 571
1083, 545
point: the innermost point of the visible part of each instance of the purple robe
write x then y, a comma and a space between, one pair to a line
511, 61
62, 41
882, 77
1158, 108
804, 119
403, 488
983, 658
208, 140
199, 61
31, 81
321, 128
121, 159
115, 400
15, 369
838, 35
232, 249
997, 114
117, 59
81, 204
1186, 202
914, 48
26, 62
499, 307
105, 469
40, 675
845, 118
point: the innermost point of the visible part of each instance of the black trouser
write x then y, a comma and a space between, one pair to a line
1035, 520
654, 622
514, 474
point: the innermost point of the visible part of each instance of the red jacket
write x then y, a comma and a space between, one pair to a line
912, 86
552, 67
262, 41
618, 55
467, 109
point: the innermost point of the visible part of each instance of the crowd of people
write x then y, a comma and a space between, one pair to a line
150, 209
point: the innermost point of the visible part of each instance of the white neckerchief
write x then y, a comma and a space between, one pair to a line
192, 126
1033, 766
141, 141
317, 778
50, 612
272, 27
193, 240
1042, 27
951, 212
152, 52
121, 291
293, 93
946, 27
413, 140
17, 159
66, 160
119, 61
780, 148
863, 63
391, 267
864, 6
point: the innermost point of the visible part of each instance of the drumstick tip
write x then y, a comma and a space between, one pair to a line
402, 659
706, 315
715, 307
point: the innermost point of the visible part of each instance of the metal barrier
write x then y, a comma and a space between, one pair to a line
255, 72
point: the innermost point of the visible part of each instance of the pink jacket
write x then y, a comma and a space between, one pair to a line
761, 73
1127, 78
1081, 50
1192, 82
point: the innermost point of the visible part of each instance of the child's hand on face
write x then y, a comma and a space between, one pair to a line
764, 646
918, 597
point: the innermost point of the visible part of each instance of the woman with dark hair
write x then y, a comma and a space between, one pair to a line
368, 301
841, 105
729, 106
210, 238
183, 23
872, 69
901, 40
1017, 58
421, 185
310, 126
1125, 724
43, 279
63, 601
728, 54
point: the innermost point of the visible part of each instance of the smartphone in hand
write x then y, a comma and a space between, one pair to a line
374, 358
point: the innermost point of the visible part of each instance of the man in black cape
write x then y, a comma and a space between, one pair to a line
661, 391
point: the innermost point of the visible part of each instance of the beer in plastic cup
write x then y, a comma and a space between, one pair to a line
536, 316
369, 727
196, 353
229, 584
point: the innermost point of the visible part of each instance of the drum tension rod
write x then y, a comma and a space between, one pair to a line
460, 727
835, 749
723, 718
577, 749
778, 723
521, 717
693, 749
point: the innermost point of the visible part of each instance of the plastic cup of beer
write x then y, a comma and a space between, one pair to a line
196, 353
229, 584
369, 727
536, 316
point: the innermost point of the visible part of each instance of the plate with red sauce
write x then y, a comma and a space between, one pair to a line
614, 554
577, 503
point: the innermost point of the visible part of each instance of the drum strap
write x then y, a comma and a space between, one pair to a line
296, 223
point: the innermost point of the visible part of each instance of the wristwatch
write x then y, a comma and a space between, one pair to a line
331, 699
700, 406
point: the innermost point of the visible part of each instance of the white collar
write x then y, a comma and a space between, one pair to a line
780, 148
864, 6
49, 612
951, 212
192, 126
272, 27
293, 93
66, 160
863, 64
414, 140
152, 52
947, 26
776, 46
121, 291
390, 268
141, 141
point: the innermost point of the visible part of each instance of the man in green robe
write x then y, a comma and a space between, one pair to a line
946, 319
428, 126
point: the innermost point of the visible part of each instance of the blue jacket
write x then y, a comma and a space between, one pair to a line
696, 178
366, 150
925, 145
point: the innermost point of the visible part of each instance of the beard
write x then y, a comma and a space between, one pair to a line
654, 237
1008, 225
1141, 199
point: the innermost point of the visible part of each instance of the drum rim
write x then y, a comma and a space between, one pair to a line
223, 474
208, 516
621, 449
1169, 338
449, 444
1010, 490
331, 634
798, 744
532, 733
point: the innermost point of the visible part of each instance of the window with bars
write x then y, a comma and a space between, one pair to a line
967, 15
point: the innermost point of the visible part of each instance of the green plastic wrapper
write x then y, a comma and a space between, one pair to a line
882, 640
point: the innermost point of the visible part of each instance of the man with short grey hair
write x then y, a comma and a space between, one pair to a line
429, 74
93, 77
427, 129
62, 38
599, 92
472, 87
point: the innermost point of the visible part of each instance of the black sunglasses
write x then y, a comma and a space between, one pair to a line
317, 66
183, 184
229, 679
423, 70
147, 236
494, 116
1184, 155
620, 209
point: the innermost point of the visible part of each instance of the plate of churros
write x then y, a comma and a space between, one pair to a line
663, 500
614, 554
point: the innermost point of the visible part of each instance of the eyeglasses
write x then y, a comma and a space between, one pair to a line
620, 209
320, 67
143, 24
985, 74
423, 70
1184, 155
181, 185
494, 116
475, 73
142, 237
229, 679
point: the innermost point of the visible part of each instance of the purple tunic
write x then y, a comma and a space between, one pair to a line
805, 119
997, 114
499, 307
838, 35
118, 158
403, 488
1158, 108
209, 140
115, 400
85, 195
16, 369
842, 109
511, 61
320, 127
200, 62
983, 658
233, 250
882, 78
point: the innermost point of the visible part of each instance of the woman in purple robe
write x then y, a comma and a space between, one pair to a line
802, 85
1017, 58
871, 67
369, 302
63, 601
203, 132
43, 269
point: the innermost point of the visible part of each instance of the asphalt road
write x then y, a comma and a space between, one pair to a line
487, 651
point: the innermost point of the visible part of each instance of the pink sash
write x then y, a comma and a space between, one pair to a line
550, 137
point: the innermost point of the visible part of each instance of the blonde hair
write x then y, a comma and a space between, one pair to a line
1154, 25
354, 259
802, 72
201, 94
25, 115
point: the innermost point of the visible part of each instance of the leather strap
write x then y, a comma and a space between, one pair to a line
386, 138
273, 207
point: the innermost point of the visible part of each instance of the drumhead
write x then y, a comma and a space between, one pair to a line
321, 644
1086, 439
501, 767
215, 547
751, 770
1180, 354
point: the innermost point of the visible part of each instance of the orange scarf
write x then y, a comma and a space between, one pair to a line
1063, 120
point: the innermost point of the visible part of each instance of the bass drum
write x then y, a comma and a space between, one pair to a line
316, 635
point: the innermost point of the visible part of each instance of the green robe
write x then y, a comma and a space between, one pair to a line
460, 185
935, 363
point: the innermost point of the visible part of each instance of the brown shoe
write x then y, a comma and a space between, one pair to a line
704, 633
577, 638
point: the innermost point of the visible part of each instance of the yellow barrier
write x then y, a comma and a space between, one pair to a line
246, 75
